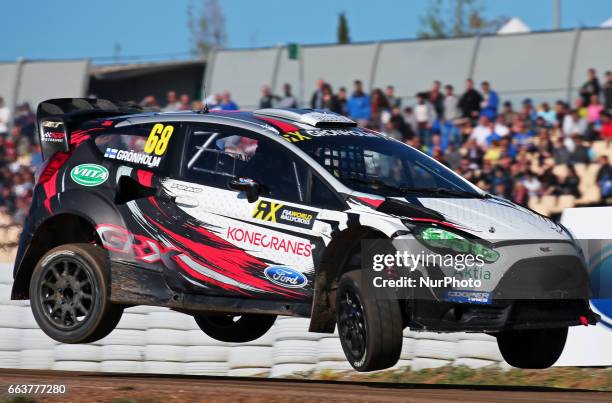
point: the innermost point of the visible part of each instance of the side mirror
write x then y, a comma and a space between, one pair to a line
247, 185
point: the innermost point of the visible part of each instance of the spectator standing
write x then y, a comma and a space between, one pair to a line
380, 108
172, 103
451, 104
392, 100
316, 101
227, 104
470, 101
150, 103
424, 114
288, 100
436, 99
409, 119
185, 103
607, 91
342, 100
5, 118
358, 105
267, 98
594, 110
330, 102
490, 101
590, 87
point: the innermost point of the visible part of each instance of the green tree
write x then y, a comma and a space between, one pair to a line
207, 26
343, 29
451, 18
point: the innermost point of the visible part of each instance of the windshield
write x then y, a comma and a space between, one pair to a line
373, 164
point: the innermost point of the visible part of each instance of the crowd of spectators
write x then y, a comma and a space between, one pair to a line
507, 150
19, 157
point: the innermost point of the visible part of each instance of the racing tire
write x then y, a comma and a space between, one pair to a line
370, 329
235, 328
532, 349
70, 294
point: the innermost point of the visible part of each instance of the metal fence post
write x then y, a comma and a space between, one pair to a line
572, 64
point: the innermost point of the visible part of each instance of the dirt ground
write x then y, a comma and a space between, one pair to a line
90, 387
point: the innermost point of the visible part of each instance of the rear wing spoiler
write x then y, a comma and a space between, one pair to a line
57, 118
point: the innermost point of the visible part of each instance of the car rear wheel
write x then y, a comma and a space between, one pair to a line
532, 349
370, 329
70, 294
235, 328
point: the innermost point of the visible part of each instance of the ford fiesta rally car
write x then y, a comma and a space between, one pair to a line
235, 218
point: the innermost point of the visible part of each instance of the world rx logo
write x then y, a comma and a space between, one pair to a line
111, 153
266, 210
294, 137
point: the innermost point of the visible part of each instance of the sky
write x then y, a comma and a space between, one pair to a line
61, 29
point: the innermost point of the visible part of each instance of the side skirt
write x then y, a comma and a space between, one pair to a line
132, 286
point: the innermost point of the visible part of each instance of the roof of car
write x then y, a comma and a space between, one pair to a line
283, 120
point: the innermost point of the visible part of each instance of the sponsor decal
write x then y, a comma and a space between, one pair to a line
89, 174
119, 240
476, 273
472, 297
279, 213
111, 153
269, 241
202, 258
338, 132
295, 136
186, 188
53, 137
285, 276
52, 124
132, 156
158, 139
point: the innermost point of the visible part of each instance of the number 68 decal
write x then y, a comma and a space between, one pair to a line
157, 143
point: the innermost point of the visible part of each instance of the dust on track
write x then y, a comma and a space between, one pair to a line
96, 387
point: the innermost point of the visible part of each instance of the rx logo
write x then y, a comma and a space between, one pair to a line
266, 210
294, 137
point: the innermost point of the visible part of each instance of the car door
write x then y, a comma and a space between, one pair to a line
261, 247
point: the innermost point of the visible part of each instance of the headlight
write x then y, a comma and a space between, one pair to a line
438, 238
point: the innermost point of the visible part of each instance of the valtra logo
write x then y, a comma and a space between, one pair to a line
285, 276
89, 174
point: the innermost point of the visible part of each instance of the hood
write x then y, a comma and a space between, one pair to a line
495, 219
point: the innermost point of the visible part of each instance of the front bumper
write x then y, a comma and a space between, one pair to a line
500, 316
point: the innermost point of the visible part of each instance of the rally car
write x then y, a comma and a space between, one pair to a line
238, 217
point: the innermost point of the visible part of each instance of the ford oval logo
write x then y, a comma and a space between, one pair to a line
285, 276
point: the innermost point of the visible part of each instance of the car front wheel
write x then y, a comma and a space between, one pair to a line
70, 294
370, 329
532, 349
